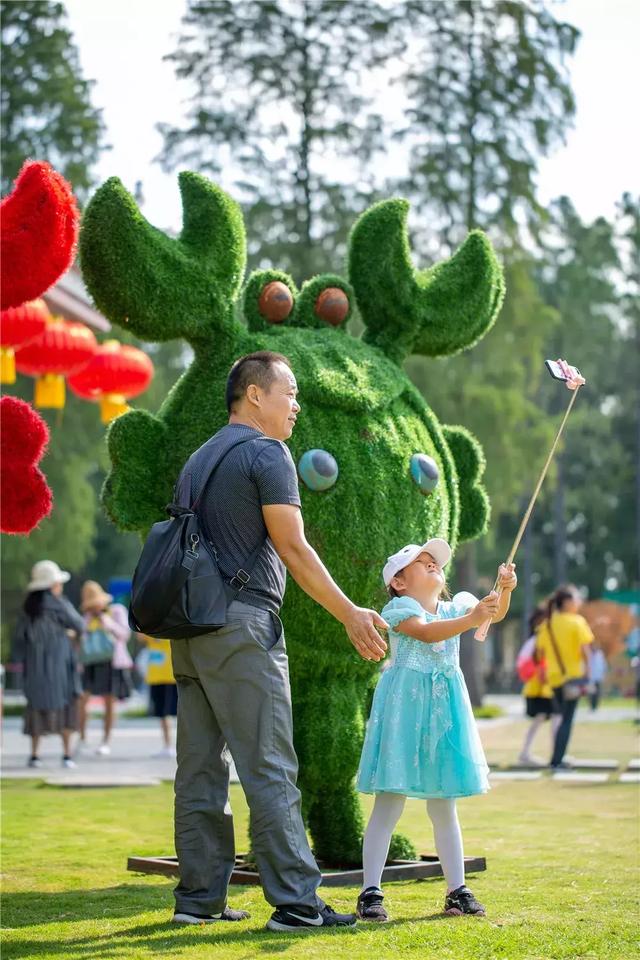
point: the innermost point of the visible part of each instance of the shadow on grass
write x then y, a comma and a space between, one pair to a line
113, 903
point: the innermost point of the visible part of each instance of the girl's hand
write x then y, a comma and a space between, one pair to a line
507, 579
485, 610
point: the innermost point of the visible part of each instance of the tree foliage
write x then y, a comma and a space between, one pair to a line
488, 85
278, 111
47, 112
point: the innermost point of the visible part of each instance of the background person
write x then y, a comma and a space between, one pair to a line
43, 645
537, 692
109, 677
563, 641
598, 669
163, 691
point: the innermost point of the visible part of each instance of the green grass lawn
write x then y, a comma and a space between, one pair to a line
561, 881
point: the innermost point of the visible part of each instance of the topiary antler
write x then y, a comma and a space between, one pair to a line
435, 312
156, 286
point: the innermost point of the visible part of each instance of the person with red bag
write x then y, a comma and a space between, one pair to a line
564, 639
531, 668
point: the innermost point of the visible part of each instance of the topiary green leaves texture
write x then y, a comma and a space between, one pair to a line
357, 405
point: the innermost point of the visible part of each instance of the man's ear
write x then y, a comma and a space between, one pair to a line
253, 394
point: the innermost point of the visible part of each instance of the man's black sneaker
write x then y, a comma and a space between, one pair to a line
369, 906
227, 914
462, 901
292, 919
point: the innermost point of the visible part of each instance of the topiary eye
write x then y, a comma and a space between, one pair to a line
275, 303
424, 473
332, 306
318, 470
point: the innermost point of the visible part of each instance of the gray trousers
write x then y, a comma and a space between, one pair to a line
233, 690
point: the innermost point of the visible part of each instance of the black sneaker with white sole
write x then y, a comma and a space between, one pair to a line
369, 906
291, 919
462, 901
198, 918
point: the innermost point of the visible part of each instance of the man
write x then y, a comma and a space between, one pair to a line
233, 684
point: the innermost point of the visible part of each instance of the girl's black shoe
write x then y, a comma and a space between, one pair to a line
369, 906
462, 901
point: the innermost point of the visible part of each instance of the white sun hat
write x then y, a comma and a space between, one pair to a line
45, 574
437, 547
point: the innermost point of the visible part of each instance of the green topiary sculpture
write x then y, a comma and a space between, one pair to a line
357, 405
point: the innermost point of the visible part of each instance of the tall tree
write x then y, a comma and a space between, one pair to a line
279, 111
489, 88
579, 277
488, 94
627, 413
46, 104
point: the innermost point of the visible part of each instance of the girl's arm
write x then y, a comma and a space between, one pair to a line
507, 582
439, 630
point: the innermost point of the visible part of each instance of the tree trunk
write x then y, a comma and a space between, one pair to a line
303, 173
471, 652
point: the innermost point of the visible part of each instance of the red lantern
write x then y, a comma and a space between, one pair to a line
63, 348
114, 374
18, 326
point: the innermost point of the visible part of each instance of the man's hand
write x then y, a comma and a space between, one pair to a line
485, 610
507, 579
360, 625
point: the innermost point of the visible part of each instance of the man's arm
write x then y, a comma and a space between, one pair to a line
286, 531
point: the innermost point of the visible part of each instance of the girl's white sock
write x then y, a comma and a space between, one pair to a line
386, 812
448, 839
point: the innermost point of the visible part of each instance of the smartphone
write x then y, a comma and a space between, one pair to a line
557, 372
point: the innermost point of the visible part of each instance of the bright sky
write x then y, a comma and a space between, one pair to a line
122, 42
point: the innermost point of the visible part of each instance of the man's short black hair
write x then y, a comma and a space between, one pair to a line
255, 368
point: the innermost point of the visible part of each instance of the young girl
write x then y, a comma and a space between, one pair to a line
421, 738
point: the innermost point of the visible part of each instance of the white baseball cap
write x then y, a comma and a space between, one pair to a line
438, 548
45, 574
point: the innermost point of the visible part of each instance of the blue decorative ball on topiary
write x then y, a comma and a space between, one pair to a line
424, 473
318, 469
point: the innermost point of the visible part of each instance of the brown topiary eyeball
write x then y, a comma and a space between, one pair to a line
275, 302
332, 305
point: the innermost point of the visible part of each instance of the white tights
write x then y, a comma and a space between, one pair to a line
386, 812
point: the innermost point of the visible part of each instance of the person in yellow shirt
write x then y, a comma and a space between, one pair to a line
163, 692
563, 642
540, 705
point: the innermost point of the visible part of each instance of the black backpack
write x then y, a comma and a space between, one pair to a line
177, 590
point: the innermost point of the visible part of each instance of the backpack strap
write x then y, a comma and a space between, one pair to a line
242, 576
555, 648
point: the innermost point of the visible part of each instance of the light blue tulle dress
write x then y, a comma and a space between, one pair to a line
422, 739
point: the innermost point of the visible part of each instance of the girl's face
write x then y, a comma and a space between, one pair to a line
423, 575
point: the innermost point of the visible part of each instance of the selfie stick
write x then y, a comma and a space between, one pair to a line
483, 629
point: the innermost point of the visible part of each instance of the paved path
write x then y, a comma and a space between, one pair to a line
135, 741
133, 744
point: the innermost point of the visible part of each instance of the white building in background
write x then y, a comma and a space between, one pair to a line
70, 299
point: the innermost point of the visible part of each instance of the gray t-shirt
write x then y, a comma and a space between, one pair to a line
257, 473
